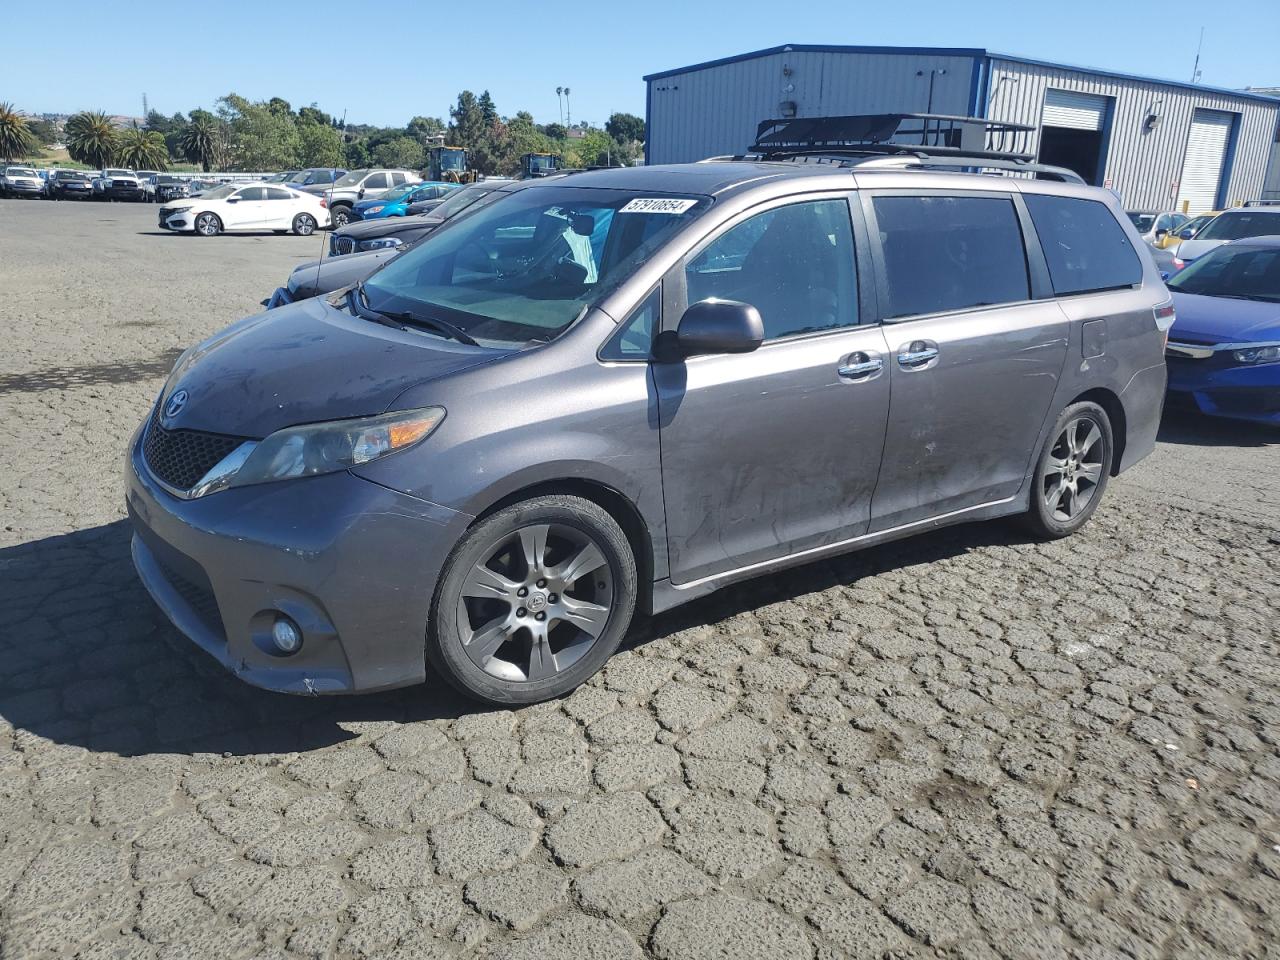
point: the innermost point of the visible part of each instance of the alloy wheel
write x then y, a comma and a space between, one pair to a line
207, 224
1074, 469
536, 602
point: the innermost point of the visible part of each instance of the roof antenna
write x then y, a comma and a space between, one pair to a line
1195, 70
324, 240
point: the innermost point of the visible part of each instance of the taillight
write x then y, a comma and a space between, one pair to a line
1178, 264
1164, 314
324, 203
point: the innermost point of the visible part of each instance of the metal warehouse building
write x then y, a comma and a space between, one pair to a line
1157, 143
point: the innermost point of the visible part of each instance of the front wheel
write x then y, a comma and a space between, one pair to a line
1072, 472
304, 224
532, 601
208, 225
340, 217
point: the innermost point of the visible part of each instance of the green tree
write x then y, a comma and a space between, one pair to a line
314, 114
555, 131
16, 138
280, 107
319, 145
357, 155
262, 137
424, 129
204, 141
91, 138
467, 126
45, 132
625, 127
488, 111
402, 152
142, 149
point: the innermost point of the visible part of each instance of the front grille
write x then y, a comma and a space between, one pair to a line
342, 245
181, 457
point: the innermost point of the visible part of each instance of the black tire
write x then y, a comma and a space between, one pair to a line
1063, 466
213, 225
304, 225
339, 216
445, 647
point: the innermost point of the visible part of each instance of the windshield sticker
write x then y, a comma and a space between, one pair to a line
657, 205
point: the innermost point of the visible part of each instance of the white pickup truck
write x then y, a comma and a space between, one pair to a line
116, 184
20, 182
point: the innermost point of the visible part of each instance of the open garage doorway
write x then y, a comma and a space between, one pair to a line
1073, 132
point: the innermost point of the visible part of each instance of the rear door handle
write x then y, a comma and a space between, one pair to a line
860, 366
917, 354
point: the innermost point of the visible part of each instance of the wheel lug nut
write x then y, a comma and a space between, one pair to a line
521, 612
541, 584
539, 616
522, 592
552, 598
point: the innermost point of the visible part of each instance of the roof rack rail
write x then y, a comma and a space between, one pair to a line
931, 133
1262, 203
1044, 171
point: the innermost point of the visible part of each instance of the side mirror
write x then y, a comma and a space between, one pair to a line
233, 199
719, 326
1161, 233
360, 195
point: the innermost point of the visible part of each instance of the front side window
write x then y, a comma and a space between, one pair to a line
252, 193
1085, 248
525, 267
950, 253
275, 193
794, 264
376, 181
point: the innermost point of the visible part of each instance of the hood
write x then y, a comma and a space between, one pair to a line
305, 363
1189, 250
375, 201
324, 276
389, 228
1223, 320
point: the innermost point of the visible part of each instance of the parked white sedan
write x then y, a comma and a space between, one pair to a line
247, 206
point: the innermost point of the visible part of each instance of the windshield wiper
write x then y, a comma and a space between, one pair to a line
1256, 298
405, 320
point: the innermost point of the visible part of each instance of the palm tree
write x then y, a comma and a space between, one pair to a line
142, 149
16, 138
91, 138
202, 141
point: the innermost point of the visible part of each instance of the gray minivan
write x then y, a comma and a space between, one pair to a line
623, 389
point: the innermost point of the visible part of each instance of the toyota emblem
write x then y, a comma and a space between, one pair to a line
177, 403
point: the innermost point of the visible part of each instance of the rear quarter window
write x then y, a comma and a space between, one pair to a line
1085, 248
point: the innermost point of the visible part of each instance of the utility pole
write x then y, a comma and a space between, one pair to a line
1195, 70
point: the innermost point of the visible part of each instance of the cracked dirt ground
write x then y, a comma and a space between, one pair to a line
965, 745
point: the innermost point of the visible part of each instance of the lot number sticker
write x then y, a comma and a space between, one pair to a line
657, 205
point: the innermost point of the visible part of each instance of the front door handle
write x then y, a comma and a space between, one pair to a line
917, 354
860, 366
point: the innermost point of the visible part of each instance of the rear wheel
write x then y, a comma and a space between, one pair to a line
533, 601
340, 216
1072, 472
208, 224
304, 224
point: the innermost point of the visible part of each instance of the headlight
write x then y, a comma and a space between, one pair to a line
381, 243
179, 209
317, 448
377, 209
1257, 354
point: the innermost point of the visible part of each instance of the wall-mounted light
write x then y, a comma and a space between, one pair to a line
787, 109
1153, 118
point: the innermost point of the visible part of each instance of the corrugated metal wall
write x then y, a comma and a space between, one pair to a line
1143, 167
1271, 188
715, 110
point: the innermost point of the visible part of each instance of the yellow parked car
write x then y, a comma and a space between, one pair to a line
1188, 230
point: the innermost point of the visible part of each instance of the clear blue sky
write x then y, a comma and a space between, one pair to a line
384, 70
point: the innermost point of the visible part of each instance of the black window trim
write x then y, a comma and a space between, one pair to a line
610, 351
676, 293
1039, 286
1029, 228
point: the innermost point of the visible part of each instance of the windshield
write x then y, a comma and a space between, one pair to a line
524, 268
1196, 223
69, 175
1239, 226
352, 178
452, 160
1142, 221
1251, 273
459, 201
21, 172
399, 193
119, 173
220, 193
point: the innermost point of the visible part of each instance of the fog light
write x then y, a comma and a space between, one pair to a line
286, 635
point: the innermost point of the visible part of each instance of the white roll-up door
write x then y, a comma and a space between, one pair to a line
1075, 111
1202, 165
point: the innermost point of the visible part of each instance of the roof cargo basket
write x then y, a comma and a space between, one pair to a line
905, 140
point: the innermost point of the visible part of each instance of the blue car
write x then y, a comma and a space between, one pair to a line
403, 201
1224, 347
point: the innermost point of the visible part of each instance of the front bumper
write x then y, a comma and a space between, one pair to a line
124, 193
1222, 387
183, 220
353, 563
73, 193
26, 189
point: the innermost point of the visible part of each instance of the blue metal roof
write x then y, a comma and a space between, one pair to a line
961, 52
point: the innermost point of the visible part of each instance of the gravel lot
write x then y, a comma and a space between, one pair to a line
964, 745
